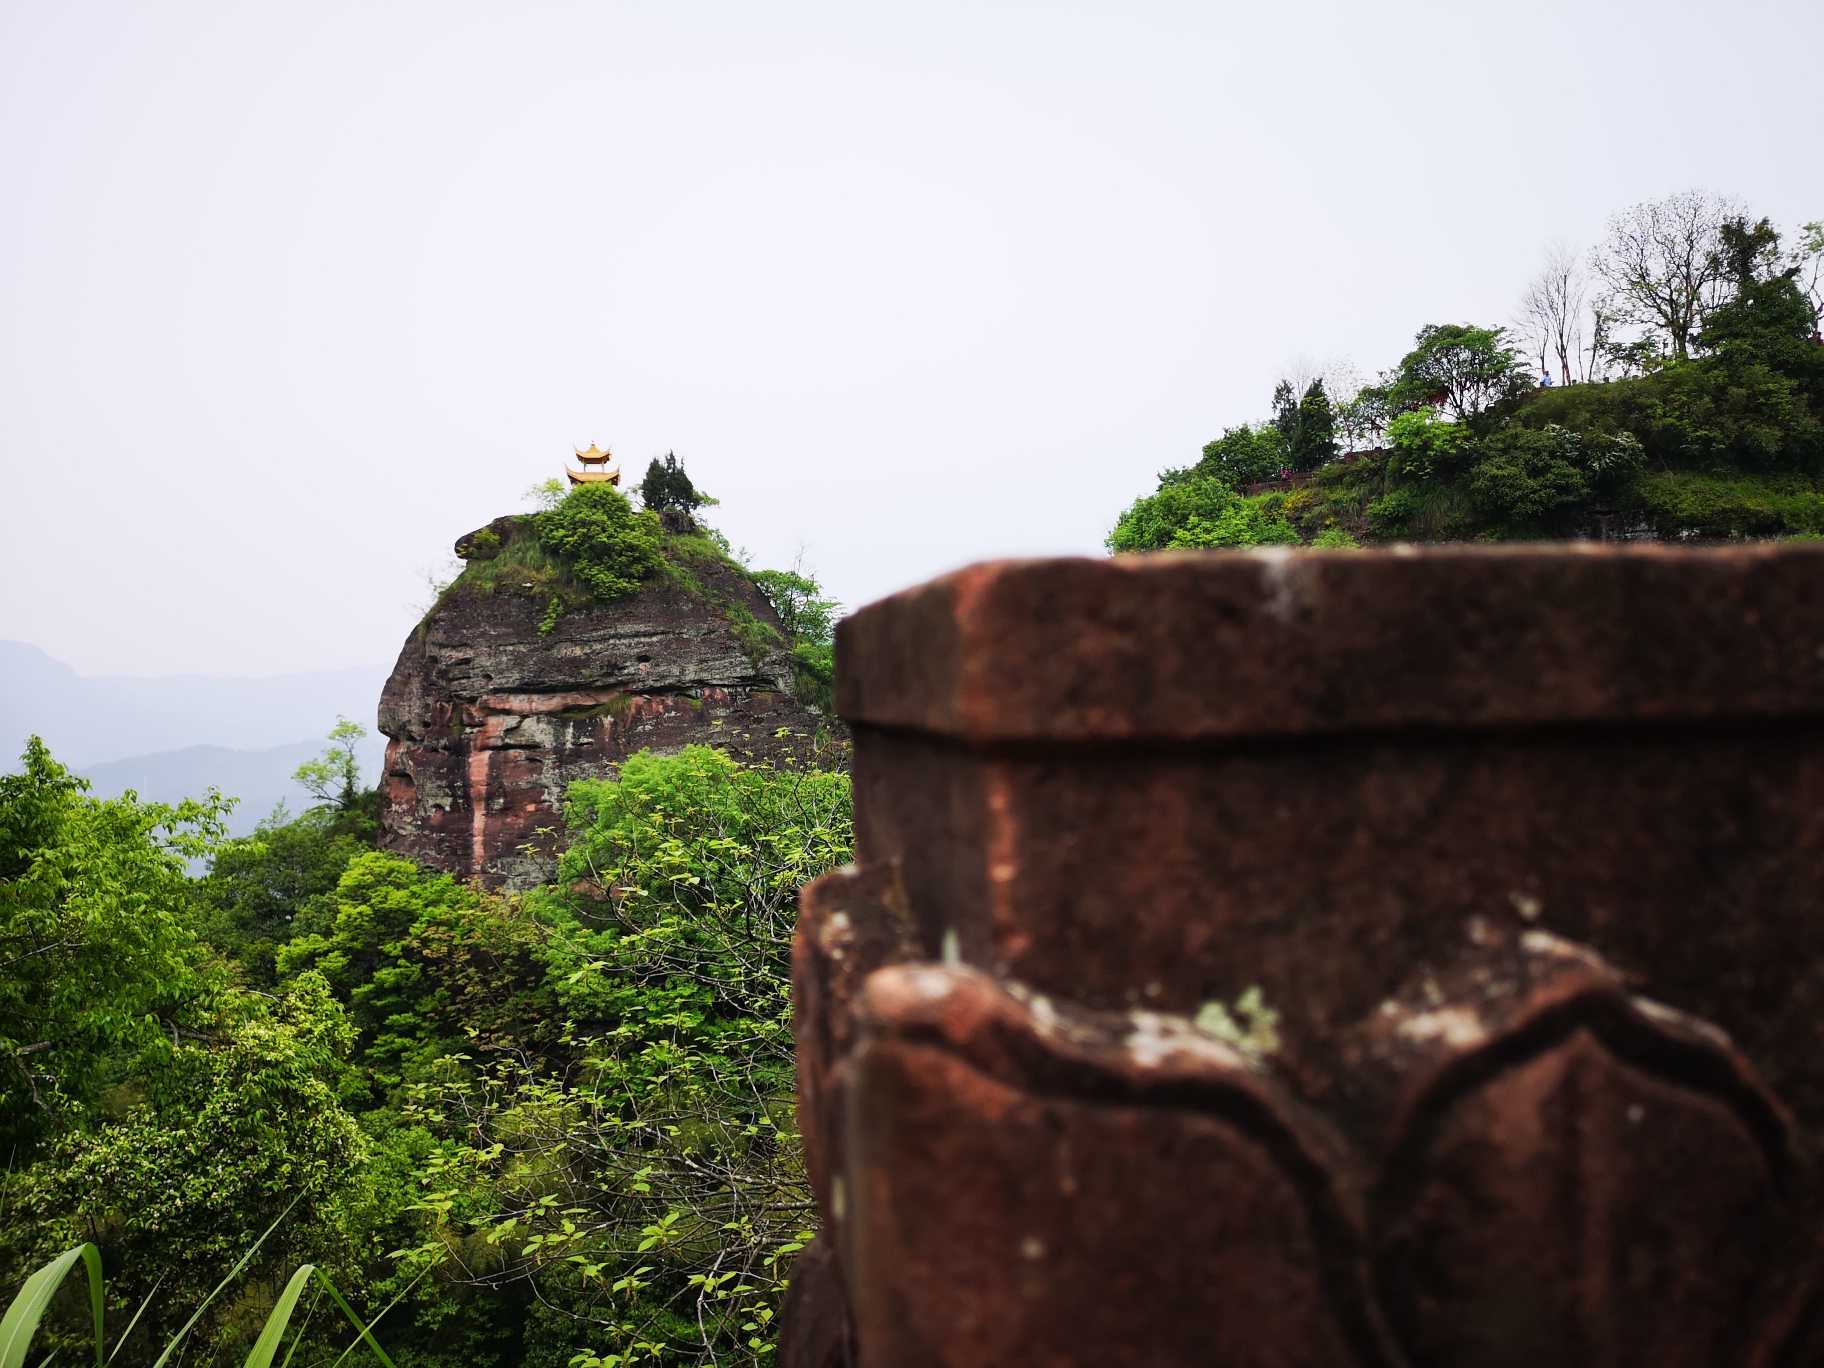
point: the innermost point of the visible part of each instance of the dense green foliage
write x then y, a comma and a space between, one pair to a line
609, 546
541, 1128
1456, 368
809, 618
1242, 456
667, 486
590, 543
1715, 437
1198, 512
98, 969
1305, 425
652, 1191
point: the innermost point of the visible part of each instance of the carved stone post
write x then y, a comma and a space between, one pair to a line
1388, 958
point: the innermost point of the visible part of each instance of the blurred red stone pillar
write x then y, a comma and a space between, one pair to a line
1379, 958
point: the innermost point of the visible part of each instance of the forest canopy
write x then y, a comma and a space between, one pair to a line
1668, 383
549, 1129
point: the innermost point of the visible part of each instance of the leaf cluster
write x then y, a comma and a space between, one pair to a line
809, 616
608, 546
651, 1188
95, 944
1195, 512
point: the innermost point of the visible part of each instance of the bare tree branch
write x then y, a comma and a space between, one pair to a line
1660, 265
1550, 316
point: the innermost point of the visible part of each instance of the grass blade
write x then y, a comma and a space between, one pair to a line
298, 1338
366, 1330
233, 1273
273, 1332
136, 1315
21, 1320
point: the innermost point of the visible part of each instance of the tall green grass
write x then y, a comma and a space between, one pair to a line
21, 1321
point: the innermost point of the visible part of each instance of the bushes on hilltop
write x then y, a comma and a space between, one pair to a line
591, 543
608, 545
1699, 412
1194, 512
809, 618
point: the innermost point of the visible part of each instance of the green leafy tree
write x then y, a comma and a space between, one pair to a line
1523, 475
1198, 513
1242, 456
654, 1193
205, 1146
1244, 523
610, 547
1150, 522
1307, 428
809, 618
1808, 256
1767, 320
1361, 420
421, 960
1458, 369
667, 486
97, 958
334, 777
1425, 448
264, 889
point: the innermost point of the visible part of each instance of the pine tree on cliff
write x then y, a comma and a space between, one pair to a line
667, 486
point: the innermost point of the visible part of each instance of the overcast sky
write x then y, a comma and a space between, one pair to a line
291, 295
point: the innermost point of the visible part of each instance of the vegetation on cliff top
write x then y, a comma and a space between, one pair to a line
591, 544
1689, 402
606, 544
544, 1130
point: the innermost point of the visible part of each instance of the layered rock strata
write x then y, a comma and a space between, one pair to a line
490, 720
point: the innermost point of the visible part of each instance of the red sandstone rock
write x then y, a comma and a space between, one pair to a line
849, 925
1522, 850
1030, 1183
814, 1329
490, 720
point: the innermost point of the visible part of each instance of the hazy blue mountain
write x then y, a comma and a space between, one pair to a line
88, 720
261, 779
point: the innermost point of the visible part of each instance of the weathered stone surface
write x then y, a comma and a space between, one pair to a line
849, 925
489, 720
814, 1330
1030, 1183
1191, 647
1564, 1172
1522, 849
1680, 832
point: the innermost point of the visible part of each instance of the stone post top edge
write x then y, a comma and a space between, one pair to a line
1187, 645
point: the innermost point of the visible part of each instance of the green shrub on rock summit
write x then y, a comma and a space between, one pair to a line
611, 548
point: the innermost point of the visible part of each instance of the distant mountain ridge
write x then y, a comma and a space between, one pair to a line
89, 720
261, 779
174, 736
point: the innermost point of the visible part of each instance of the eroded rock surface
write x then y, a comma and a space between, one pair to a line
1396, 959
490, 720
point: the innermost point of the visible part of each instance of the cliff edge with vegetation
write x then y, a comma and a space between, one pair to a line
1688, 406
573, 639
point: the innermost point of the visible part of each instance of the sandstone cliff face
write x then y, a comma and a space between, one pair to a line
489, 721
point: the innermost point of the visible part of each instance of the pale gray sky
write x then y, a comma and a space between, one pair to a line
293, 294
